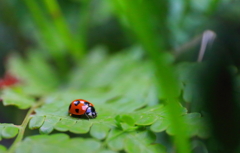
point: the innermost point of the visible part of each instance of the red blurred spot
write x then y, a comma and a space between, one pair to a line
8, 80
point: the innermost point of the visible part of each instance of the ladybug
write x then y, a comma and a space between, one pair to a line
82, 107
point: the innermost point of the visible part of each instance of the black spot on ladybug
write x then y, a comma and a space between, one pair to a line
76, 102
70, 107
77, 110
86, 103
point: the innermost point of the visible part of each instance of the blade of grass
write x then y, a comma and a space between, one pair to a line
76, 47
139, 17
84, 21
46, 33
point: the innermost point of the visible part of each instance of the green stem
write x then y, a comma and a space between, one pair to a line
23, 127
141, 17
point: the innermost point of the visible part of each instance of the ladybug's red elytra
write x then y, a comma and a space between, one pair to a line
82, 107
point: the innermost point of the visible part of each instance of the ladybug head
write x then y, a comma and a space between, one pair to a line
91, 112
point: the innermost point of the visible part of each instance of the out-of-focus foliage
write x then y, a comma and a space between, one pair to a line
58, 142
8, 131
114, 98
121, 56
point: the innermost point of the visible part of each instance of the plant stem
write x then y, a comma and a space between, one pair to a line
142, 18
23, 127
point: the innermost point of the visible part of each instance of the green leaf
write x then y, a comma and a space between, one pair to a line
142, 142
36, 74
125, 122
187, 73
56, 117
15, 96
36, 122
152, 114
2, 149
115, 140
135, 141
128, 119
49, 123
115, 101
60, 143
8, 130
149, 115
81, 126
160, 125
64, 124
107, 151
196, 125
99, 130
125, 87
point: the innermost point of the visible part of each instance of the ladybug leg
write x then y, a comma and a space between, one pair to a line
87, 116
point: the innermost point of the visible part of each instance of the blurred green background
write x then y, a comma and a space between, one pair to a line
65, 32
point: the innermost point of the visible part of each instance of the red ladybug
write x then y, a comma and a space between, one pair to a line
82, 107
